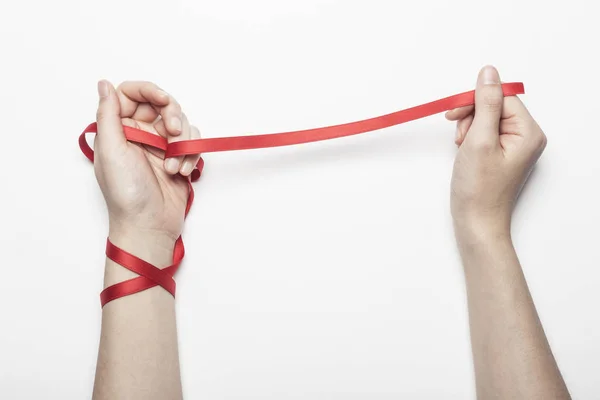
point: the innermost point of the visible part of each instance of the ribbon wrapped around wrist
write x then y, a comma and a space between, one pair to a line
150, 275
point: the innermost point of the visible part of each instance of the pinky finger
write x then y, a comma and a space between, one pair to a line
191, 160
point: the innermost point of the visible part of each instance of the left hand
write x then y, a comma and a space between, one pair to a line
145, 195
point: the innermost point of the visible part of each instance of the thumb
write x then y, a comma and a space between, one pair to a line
488, 106
108, 117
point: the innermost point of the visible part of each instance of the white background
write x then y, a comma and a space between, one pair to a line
322, 271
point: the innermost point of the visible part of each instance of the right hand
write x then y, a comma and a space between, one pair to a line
499, 143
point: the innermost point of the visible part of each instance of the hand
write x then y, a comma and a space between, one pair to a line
146, 196
499, 143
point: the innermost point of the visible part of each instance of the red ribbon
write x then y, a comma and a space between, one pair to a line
150, 275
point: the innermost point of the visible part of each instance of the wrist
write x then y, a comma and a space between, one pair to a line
482, 230
154, 247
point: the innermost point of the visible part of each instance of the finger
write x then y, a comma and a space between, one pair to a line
160, 128
164, 104
462, 127
134, 93
173, 164
191, 160
459, 113
488, 107
516, 119
108, 117
145, 113
514, 107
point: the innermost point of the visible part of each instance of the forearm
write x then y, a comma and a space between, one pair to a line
511, 354
138, 355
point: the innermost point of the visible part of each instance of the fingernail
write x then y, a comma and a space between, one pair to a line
172, 165
187, 168
102, 89
176, 123
163, 93
456, 135
490, 76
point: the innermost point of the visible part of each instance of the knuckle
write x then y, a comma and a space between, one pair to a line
174, 107
544, 140
540, 140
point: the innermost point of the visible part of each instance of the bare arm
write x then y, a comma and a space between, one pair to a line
511, 355
499, 144
138, 355
146, 199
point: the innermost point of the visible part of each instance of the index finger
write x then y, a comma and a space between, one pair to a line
459, 113
514, 107
134, 93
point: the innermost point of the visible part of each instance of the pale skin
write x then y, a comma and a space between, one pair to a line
146, 198
499, 143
